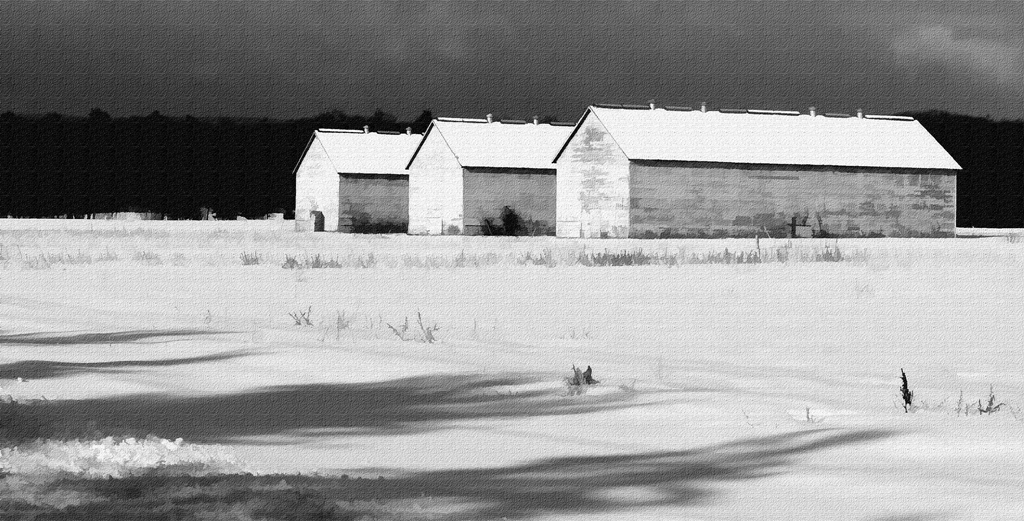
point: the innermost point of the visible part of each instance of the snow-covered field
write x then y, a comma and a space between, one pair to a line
727, 391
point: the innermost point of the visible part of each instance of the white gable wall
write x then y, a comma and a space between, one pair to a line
592, 185
316, 189
435, 188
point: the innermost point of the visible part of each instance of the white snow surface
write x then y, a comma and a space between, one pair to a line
766, 391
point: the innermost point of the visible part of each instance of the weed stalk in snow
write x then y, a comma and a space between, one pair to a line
908, 395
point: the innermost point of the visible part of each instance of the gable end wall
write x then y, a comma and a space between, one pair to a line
316, 189
435, 189
592, 185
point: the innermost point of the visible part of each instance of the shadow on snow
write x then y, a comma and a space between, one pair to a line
113, 337
38, 369
563, 485
389, 407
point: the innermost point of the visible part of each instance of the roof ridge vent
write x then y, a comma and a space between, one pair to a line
773, 112
562, 124
836, 115
636, 107
339, 131
672, 107
512, 121
389, 132
891, 118
733, 111
462, 120
608, 105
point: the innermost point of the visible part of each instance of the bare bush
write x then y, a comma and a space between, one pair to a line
906, 393
301, 318
991, 406
580, 380
250, 259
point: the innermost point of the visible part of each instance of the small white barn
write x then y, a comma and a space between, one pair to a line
354, 181
466, 171
639, 171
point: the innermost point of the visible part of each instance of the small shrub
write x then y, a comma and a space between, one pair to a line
146, 257
625, 258
291, 263
426, 332
546, 258
400, 331
343, 322
250, 259
301, 318
960, 405
579, 381
829, 254
906, 393
991, 406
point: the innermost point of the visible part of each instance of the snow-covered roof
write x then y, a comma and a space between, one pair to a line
477, 143
358, 152
771, 137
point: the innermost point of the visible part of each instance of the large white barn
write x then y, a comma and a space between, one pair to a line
638, 171
466, 171
354, 181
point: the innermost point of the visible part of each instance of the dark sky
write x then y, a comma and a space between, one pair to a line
283, 58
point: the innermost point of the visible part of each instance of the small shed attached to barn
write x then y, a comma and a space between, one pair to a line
354, 181
642, 171
466, 171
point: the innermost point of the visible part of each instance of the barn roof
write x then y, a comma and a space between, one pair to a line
770, 137
508, 144
358, 152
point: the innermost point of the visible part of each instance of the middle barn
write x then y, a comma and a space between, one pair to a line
467, 171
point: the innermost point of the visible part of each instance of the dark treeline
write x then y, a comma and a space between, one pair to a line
57, 165
990, 190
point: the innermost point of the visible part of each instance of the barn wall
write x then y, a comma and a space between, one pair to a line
435, 189
373, 203
592, 185
316, 189
715, 199
531, 193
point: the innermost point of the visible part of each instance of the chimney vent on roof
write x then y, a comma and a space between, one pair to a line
490, 118
536, 120
703, 107
408, 131
366, 129
813, 112
651, 103
860, 113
